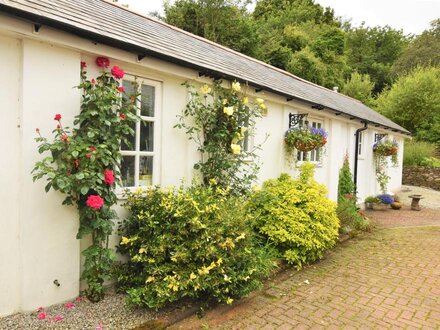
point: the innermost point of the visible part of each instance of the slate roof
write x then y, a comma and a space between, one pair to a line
113, 25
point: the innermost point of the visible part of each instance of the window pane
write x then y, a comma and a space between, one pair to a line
129, 88
127, 171
131, 145
147, 101
146, 171
147, 136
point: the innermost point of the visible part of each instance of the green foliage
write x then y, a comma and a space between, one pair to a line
295, 216
414, 103
189, 242
307, 65
345, 181
351, 218
416, 152
222, 21
423, 51
360, 87
218, 120
373, 51
83, 163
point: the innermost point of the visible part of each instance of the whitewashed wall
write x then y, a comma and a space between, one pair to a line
38, 233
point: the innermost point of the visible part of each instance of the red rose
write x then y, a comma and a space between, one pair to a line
83, 65
58, 126
121, 89
92, 148
122, 116
109, 178
57, 117
117, 72
95, 202
89, 155
93, 81
102, 62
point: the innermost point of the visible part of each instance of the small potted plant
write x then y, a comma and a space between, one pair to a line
396, 205
305, 138
369, 201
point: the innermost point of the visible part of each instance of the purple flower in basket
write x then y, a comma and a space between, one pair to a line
386, 199
319, 131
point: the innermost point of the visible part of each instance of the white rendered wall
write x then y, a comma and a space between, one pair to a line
10, 66
49, 249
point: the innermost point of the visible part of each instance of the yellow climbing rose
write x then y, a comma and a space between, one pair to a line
236, 86
236, 149
228, 110
205, 89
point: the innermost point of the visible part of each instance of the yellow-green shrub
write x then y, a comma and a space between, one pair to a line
189, 242
296, 216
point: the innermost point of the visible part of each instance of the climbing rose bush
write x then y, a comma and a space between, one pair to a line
83, 163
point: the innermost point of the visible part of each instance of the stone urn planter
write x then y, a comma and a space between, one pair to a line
380, 206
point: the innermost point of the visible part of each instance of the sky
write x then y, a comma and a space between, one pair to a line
412, 16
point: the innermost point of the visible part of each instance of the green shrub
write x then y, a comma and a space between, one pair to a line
295, 216
345, 181
350, 217
189, 242
430, 162
416, 152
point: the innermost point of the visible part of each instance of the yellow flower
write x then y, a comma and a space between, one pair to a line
205, 89
124, 240
141, 250
228, 110
173, 259
259, 101
263, 106
236, 86
242, 236
150, 279
236, 149
224, 101
226, 278
203, 271
219, 261
229, 301
192, 276
213, 181
243, 130
245, 100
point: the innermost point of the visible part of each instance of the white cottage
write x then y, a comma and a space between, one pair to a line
41, 46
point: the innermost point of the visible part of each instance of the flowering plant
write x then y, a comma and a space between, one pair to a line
386, 147
381, 150
385, 199
84, 163
305, 138
220, 121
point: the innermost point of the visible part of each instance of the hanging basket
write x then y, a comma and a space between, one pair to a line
305, 146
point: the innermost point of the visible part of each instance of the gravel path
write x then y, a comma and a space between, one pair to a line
431, 197
110, 313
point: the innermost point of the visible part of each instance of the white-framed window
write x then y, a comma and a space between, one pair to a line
361, 144
140, 159
316, 154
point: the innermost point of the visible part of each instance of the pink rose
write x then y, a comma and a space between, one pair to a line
57, 117
95, 202
42, 315
117, 72
71, 305
102, 62
109, 177
93, 81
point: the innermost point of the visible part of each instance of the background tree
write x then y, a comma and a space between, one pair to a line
373, 51
360, 87
223, 21
414, 102
424, 51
